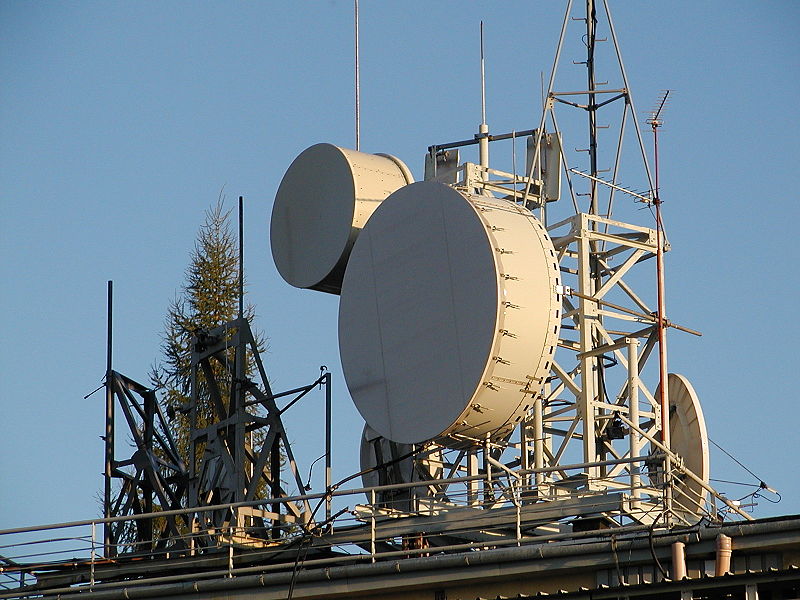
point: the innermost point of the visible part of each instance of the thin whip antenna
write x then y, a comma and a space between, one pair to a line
357, 81
483, 81
241, 257
483, 128
108, 536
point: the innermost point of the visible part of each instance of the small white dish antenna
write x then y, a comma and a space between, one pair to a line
689, 440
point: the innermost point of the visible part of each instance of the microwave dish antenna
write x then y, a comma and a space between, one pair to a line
689, 440
324, 199
449, 316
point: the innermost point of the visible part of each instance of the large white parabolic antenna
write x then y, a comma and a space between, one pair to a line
449, 315
689, 440
323, 201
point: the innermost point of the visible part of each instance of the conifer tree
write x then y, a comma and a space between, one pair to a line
209, 298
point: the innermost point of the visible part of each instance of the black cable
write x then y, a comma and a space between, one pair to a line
757, 495
761, 484
305, 542
733, 458
734, 482
620, 579
310, 470
664, 574
305, 539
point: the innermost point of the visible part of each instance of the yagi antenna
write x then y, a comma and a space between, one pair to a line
614, 186
654, 120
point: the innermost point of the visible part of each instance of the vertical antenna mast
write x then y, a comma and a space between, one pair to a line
655, 122
357, 82
591, 37
483, 128
594, 377
241, 257
237, 390
109, 430
483, 81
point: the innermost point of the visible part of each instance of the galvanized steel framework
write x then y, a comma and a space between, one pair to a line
596, 253
238, 458
609, 414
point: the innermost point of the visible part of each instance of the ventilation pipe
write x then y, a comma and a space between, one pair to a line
678, 561
723, 555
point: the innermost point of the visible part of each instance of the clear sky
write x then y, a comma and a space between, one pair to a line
120, 122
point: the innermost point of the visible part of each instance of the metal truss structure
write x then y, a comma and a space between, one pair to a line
154, 476
598, 432
236, 456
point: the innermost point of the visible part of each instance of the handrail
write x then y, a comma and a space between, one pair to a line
360, 533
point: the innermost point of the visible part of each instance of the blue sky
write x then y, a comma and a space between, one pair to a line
120, 122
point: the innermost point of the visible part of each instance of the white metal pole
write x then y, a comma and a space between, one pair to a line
483, 128
357, 80
633, 406
538, 438
372, 525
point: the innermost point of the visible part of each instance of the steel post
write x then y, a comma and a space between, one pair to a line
472, 471
538, 438
633, 407
587, 317
108, 547
328, 458
524, 450
662, 337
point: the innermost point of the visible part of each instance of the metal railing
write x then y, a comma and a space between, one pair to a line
372, 524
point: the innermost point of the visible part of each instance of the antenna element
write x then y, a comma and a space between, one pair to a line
358, 81
241, 257
483, 128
